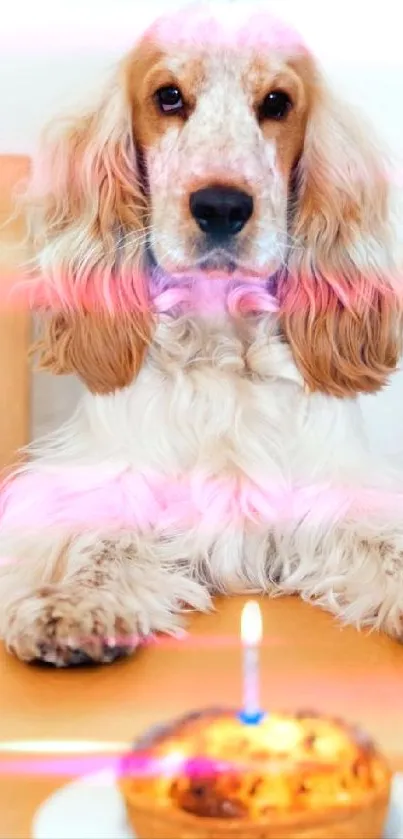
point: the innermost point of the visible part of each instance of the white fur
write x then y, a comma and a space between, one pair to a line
235, 409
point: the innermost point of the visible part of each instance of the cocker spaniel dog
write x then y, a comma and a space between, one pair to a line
214, 252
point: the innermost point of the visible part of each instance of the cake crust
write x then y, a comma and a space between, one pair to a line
302, 776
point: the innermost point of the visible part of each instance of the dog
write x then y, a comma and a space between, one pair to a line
214, 258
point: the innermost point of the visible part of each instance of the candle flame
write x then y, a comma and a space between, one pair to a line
251, 624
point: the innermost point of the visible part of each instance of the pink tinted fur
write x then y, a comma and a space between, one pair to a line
129, 294
77, 498
198, 24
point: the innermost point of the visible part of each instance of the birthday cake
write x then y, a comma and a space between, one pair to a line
207, 775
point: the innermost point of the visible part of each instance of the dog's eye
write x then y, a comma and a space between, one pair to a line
275, 105
169, 99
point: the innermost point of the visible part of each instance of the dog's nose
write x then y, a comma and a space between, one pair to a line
221, 211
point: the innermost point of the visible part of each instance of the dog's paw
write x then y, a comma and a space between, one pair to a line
68, 626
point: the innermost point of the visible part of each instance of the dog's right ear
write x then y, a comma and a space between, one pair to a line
86, 214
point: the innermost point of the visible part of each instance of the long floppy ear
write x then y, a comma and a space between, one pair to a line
338, 300
86, 214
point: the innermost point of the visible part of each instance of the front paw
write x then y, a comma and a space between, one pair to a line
67, 626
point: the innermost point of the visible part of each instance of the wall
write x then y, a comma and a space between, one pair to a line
55, 54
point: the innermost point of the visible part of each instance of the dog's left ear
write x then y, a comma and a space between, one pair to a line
339, 306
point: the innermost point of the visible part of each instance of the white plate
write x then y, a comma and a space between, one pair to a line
91, 808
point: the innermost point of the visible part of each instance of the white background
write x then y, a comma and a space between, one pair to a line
55, 53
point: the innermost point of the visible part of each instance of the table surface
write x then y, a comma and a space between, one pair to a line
307, 660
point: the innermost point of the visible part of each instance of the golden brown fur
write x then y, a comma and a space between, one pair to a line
92, 214
339, 311
105, 351
85, 182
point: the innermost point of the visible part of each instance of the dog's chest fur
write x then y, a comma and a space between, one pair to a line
219, 395
216, 393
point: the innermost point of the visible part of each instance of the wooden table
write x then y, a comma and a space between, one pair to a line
307, 661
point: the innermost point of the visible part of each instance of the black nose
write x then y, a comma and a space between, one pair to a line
221, 211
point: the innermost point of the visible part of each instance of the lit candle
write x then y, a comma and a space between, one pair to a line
251, 636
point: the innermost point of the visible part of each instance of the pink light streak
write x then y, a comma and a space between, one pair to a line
134, 765
65, 766
206, 295
180, 641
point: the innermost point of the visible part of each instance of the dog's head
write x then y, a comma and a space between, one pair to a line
218, 148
